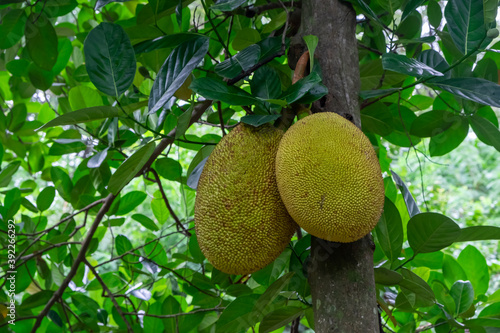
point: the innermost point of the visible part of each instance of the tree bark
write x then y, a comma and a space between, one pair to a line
340, 275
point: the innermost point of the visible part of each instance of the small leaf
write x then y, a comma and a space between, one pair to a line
83, 116
258, 120
218, 90
311, 43
279, 318
411, 205
389, 230
110, 59
485, 131
402, 64
130, 201
183, 122
145, 221
429, 232
169, 168
129, 168
96, 160
463, 295
176, 69
45, 198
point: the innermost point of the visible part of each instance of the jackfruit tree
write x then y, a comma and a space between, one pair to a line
249, 166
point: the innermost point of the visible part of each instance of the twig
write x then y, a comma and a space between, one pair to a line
110, 294
221, 119
218, 308
255, 67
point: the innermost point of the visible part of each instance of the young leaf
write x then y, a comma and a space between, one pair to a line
409, 66
83, 116
389, 231
178, 66
110, 59
129, 168
311, 43
463, 295
429, 232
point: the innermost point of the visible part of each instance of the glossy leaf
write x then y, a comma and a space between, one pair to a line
178, 66
266, 83
194, 176
41, 41
279, 318
463, 295
429, 232
84, 116
404, 65
485, 131
411, 6
258, 120
129, 168
110, 59
301, 87
168, 41
474, 89
238, 63
435, 60
389, 230
238, 315
411, 205
465, 19
218, 90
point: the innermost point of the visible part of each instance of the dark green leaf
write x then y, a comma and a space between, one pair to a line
376, 118
129, 168
178, 66
238, 63
45, 198
402, 64
227, 5
183, 122
122, 244
387, 277
367, 94
411, 205
368, 11
463, 295
265, 300
40, 78
389, 231
145, 221
29, 206
300, 88
279, 318
130, 201
410, 7
62, 182
485, 131
450, 139
474, 89
7, 173
465, 20
12, 28
434, 13
315, 93
194, 176
424, 296
168, 41
41, 41
218, 90
482, 323
480, 232
84, 116
429, 232
476, 268
433, 59
36, 300
194, 249
239, 315
85, 304
432, 123
110, 59
258, 120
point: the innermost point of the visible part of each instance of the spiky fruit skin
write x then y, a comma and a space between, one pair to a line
329, 178
241, 223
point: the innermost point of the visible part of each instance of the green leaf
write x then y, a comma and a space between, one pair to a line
183, 122
376, 118
239, 315
85, 304
12, 28
368, 11
266, 83
474, 89
432, 123
404, 65
410, 7
258, 120
387, 277
411, 205
36, 300
168, 41
465, 19
215, 89
246, 37
490, 11
40, 78
435, 60
195, 174
176, 69
367, 94
450, 139
227, 5
311, 43
83, 116
64, 49
265, 300
145, 221
122, 244
7, 173
476, 268
463, 295
130, 201
482, 323
242, 61
301, 87
110, 59
429, 232
169, 168
485, 131
160, 210
41, 41
62, 182
452, 271
424, 296
45, 198
129, 168
434, 13
389, 230
480, 232
279, 318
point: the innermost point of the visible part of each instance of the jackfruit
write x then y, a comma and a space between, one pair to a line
329, 178
241, 223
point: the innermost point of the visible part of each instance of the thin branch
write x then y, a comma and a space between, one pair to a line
221, 119
257, 10
218, 308
110, 294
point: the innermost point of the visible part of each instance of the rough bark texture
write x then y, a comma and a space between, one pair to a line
340, 275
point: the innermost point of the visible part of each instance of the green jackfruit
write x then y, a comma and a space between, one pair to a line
329, 178
241, 223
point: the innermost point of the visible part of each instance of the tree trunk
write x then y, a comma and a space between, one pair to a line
340, 275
